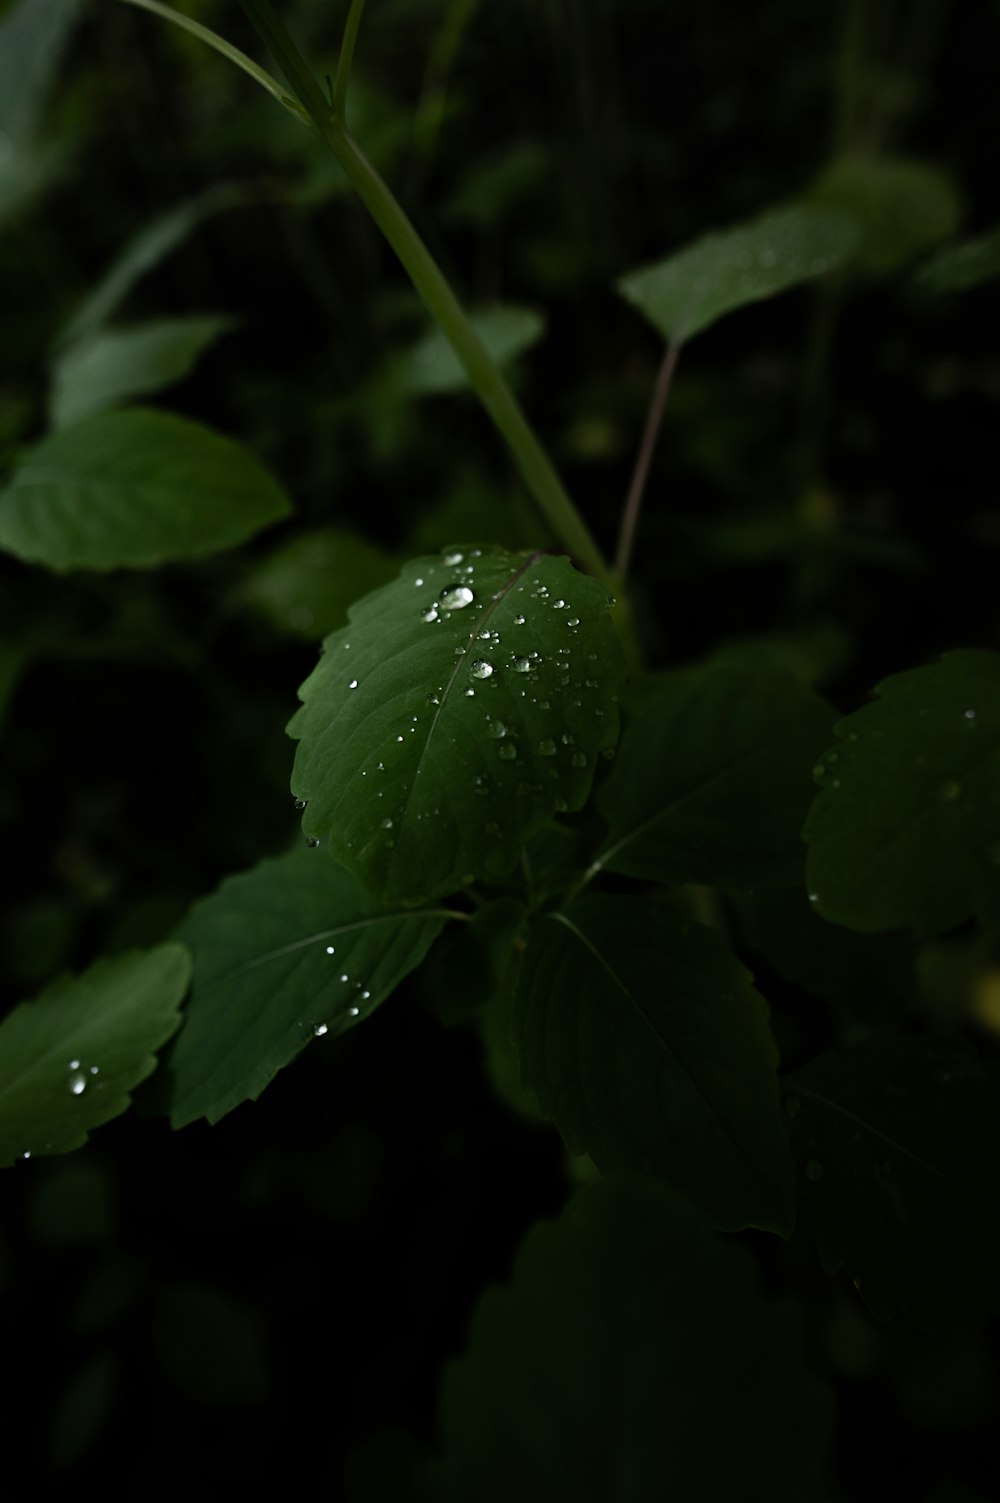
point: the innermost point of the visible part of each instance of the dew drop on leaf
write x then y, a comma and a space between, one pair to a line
352, 1012
331, 950
319, 1029
300, 803
353, 684
578, 760
429, 615
313, 841
546, 747
451, 559
507, 752
456, 597
522, 665
496, 729
481, 669
76, 1080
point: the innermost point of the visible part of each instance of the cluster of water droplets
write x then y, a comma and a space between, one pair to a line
80, 1077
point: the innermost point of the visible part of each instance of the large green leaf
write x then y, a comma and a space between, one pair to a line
133, 490
906, 830
897, 1141
900, 206
305, 586
69, 1059
649, 1049
632, 1359
463, 704
289, 951
112, 366
693, 288
506, 331
713, 779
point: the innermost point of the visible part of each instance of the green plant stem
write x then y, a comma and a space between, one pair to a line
432, 287
647, 448
345, 60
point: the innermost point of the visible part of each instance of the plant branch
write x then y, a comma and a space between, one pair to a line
654, 418
345, 60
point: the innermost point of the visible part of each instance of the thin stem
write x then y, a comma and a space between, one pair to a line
212, 39
346, 59
654, 418
434, 291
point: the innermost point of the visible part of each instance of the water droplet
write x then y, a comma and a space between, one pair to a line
522, 665
819, 772
578, 760
353, 684
558, 605
481, 668
77, 1080
970, 714
456, 597
418, 583
792, 1106
546, 747
387, 824
300, 803
611, 602
518, 620
496, 730
951, 790
451, 559
507, 752
313, 841
469, 693
26, 1154
572, 621
345, 977
814, 1170
319, 1029
429, 615
365, 996
331, 949
433, 699
95, 1070
814, 897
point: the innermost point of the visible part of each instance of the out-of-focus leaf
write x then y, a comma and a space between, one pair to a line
506, 331
632, 1358
690, 290
111, 366
131, 490
956, 268
306, 585
900, 206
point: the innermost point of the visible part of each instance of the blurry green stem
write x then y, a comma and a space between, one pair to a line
647, 448
345, 60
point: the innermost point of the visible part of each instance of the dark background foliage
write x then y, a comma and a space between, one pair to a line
271, 1300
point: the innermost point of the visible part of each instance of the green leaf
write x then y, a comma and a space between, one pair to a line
151, 245
506, 331
901, 207
130, 490
34, 35
110, 367
956, 268
897, 1142
713, 779
870, 975
687, 292
290, 951
649, 1049
463, 704
632, 1358
70, 1058
305, 586
906, 830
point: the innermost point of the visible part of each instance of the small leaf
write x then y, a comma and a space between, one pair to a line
632, 1358
687, 292
713, 779
292, 950
69, 1059
896, 1141
649, 1049
461, 707
906, 830
112, 366
956, 268
147, 248
901, 207
131, 490
305, 586
506, 331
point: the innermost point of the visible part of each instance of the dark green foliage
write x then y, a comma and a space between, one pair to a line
632, 1358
